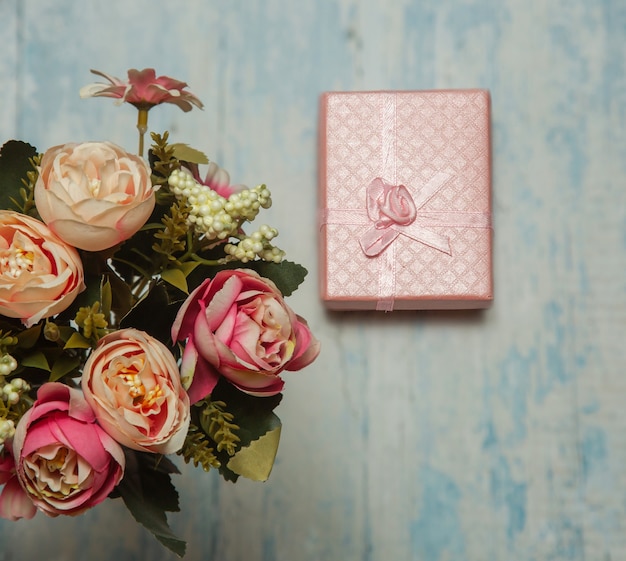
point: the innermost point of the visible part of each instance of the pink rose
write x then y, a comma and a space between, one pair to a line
93, 195
65, 461
238, 325
40, 275
14, 502
132, 382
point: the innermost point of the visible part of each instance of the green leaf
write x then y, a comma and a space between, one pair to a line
29, 337
176, 278
14, 164
148, 493
256, 460
66, 332
86, 298
153, 314
186, 153
77, 341
287, 276
62, 366
36, 360
255, 418
121, 295
188, 266
106, 297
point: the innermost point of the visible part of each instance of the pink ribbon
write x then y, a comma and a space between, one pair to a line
393, 211
396, 210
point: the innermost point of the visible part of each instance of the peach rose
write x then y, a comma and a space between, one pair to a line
132, 382
238, 325
93, 195
66, 463
40, 275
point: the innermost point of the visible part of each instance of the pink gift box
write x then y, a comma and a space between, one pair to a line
405, 200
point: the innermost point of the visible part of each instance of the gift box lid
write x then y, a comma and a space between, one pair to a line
405, 200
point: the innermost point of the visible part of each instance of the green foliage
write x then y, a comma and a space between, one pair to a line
217, 423
64, 365
154, 313
148, 493
254, 416
172, 238
198, 449
27, 338
15, 165
162, 158
287, 276
186, 153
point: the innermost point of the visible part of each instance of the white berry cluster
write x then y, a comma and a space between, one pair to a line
7, 430
213, 215
7, 364
10, 393
255, 245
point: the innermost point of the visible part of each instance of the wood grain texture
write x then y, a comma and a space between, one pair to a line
415, 436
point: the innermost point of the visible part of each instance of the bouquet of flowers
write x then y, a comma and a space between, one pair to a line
139, 319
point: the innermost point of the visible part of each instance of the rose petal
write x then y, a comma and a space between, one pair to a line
14, 502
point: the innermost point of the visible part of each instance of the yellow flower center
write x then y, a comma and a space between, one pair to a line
94, 186
14, 261
56, 463
136, 388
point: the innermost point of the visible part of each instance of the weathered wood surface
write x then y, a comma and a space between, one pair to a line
415, 436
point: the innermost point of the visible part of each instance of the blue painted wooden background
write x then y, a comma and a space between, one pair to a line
416, 436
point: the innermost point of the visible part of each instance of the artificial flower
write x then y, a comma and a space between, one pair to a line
143, 90
99, 285
216, 178
93, 195
238, 325
65, 461
40, 275
132, 382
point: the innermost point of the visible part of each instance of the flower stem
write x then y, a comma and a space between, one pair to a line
142, 127
209, 262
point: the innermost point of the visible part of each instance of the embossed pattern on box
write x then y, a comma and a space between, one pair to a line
411, 139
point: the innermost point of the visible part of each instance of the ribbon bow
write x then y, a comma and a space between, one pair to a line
393, 210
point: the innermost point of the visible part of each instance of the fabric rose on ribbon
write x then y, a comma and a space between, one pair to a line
387, 206
238, 325
65, 461
40, 275
132, 382
392, 211
93, 195
14, 502
390, 204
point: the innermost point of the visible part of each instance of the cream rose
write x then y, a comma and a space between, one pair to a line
132, 382
40, 275
93, 195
